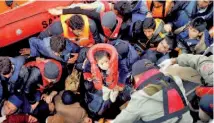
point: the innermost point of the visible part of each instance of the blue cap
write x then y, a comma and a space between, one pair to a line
141, 66
16, 100
51, 70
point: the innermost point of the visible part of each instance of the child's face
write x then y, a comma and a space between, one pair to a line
148, 33
103, 63
193, 33
163, 47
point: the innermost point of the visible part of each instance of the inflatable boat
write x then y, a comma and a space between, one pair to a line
21, 19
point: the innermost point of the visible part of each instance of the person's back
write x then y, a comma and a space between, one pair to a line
55, 47
158, 98
79, 29
72, 113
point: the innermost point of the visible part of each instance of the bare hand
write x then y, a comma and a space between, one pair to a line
55, 11
39, 59
31, 119
48, 99
73, 59
34, 105
25, 51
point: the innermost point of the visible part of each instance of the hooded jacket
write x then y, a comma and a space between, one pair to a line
147, 108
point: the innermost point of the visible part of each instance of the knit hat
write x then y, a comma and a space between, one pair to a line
141, 66
109, 20
16, 100
122, 48
149, 23
199, 24
68, 97
51, 70
206, 104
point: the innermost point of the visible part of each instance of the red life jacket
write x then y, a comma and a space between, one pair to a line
111, 34
201, 91
173, 100
112, 78
41, 66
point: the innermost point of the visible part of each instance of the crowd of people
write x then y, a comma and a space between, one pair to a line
114, 62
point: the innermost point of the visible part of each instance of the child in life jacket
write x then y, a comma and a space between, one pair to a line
101, 78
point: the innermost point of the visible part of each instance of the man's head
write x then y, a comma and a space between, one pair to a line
123, 8
196, 28
51, 72
6, 67
140, 67
203, 4
149, 27
76, 23
109, 22
68, 97
167, 44
12, 104
122, 48
103, 59
57, 44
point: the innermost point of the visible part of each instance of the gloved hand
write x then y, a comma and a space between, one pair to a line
106, 93
113, 95
165, 64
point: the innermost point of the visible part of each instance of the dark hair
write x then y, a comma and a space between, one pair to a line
57, 43
137, 27
5, 65
100, 54
199, 24
68, 97
170, 39
149, 23
123, 7
76, 22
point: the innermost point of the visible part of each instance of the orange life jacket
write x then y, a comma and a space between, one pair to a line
85, 40
174, 103
41, 66
111, 34
112, 78
160, 12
